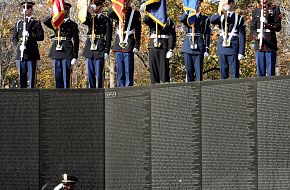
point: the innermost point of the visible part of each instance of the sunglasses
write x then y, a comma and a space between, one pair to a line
28, 6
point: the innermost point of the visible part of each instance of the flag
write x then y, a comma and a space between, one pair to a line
57, 12
120, 10
221, 4
82, 7
190, 7
156, 10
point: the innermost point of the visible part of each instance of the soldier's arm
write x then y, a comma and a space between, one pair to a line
276, 26
215, 19
37, 32
183, 19
112, 14
88, 20
242, 36
15, 38
47, 22
76, 41
148, 21
254, 26
172, 35
207, 34
109, 32
138, 28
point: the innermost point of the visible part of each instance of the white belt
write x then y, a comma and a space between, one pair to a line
159, 36
234, 34
265, 30
195, 34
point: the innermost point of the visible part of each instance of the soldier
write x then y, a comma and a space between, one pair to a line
67, 183
265, 36
131, 44
98, 43
25, 36
65, 47
231, 43
195, 50
160, 49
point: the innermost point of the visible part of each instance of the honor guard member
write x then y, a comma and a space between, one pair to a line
98, 43
65, 47
266, 21
161, 44
231, 43
196, 43
26, 33
67, 183
128, 45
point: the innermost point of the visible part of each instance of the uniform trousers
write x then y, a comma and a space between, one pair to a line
159, 66
62, 69
125, 68
95, 71
194, 65
229, 63
24, 67
266, 62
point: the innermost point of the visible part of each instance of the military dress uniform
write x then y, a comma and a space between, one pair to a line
94, 52
27, 64
166, 41
125, 54
229, 56
193, 51
266, 56
69, 35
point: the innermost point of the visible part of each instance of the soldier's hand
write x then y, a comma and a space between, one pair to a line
206, 54
25, 33
135, 50
22, 47
92, 8
142, 7
263, 19
241, 57
73, 61
106, 56
169, 54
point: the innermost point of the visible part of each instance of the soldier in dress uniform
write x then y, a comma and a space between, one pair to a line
131, 44
195, 50
98, 43
26, 33
67, 183
231, 43
266, 48
65, 47
160, 49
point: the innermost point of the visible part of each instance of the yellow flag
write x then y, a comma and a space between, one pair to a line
82, 6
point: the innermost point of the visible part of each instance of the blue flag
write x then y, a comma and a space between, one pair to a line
156, 10
190, 6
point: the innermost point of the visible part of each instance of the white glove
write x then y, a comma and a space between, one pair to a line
227, 7
106, 56
263, 19
58, 187
142, 7
135, 50
205, 54
169, 54
240, 57
73, 61
25, 33
94, 7
22, 47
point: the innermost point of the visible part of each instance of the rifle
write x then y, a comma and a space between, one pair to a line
24, 38
261, 32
